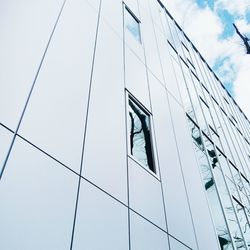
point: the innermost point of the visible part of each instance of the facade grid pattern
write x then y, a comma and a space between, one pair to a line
115, 133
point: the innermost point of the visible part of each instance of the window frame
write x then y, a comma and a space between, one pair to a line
154, 171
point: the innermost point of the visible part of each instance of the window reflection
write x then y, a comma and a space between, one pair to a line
242, 220
222, 231
224, 195
140, 136
132, 24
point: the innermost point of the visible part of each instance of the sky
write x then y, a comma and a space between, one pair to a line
208, 23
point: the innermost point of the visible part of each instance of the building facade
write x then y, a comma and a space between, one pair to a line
115, 134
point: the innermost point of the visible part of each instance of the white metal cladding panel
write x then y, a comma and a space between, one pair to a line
176, 245
168, 70
145, 195
150, 45
136, 78
101, 222
155, 9
5, 139
112, 13
37, 201
94, 3
165, 26
198, 203
55, 116
104, 160
177, 210
145, 235
25, 30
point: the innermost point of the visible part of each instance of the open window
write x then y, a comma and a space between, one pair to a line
140, 139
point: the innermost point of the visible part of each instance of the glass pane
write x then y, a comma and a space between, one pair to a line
132, 24
140, 138
243, 220
224, 195
211, 192
229, 210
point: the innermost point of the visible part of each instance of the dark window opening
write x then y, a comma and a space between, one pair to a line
140, 136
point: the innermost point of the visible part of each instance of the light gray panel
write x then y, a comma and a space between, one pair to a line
5, 141
37, 201
156, 9
136, 78
111, 12
145, 194
101, 223
145, 236
151, 49
178, 214
94, 3
176, 245
168, 70
198, 203
165, 26
58, 104
25, 30
105, 147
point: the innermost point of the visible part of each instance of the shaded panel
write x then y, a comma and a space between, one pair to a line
101, 223
37, 201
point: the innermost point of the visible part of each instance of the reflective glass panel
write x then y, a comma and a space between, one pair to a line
140, 136
243, 220
222, 231
132, 24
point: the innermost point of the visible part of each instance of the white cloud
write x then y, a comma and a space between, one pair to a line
204, 28
227, 71
201, 25
243, 26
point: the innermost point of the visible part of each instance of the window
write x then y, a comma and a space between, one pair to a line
140, 136
132, 24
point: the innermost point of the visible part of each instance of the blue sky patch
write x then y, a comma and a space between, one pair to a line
224, 67
230, 88
204, 3
226, 71
227, 19
248, 16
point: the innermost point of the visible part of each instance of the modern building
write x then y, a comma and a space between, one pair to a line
115, 134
